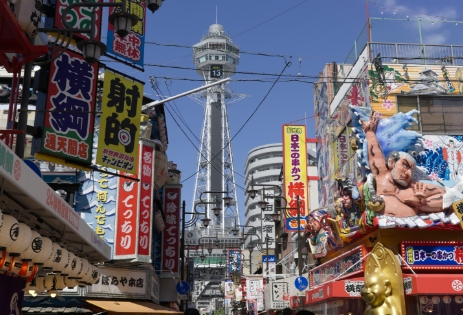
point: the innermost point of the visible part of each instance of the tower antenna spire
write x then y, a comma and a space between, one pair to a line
216, 14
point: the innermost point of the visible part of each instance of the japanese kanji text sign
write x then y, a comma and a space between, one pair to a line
131, 47
68, 124
79, 17
234, 260
125, 239
433, 255
171, 233
120, 123
120, 281
295, 175
146, 200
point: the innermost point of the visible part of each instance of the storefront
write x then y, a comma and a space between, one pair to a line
39, 228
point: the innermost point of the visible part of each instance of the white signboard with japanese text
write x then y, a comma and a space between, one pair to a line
255, 290
121, 281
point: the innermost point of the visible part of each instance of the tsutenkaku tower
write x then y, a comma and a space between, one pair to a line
216, 58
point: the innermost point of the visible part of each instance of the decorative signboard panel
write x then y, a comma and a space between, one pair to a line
433, 255
347, 264
295, 176
70, 108
171, 233
120, 123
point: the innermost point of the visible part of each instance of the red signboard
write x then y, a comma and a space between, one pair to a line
146, 200
79, 17
69, 116
171, 233
125, 236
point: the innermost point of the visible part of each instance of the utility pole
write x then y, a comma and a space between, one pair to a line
182, 252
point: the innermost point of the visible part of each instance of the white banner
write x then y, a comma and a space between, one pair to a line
121, 281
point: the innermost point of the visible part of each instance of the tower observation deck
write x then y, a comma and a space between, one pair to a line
216, 58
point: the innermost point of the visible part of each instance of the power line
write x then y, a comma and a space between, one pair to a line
218, 50
272, 18
287, 64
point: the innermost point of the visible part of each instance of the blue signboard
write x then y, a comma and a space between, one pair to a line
182, 287
301, 283
96, 198
271, 258
234, 260
426, 255
131, 47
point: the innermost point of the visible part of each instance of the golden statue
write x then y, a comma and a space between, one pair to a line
384, 290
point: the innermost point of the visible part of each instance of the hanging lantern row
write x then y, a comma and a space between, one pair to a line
22, 251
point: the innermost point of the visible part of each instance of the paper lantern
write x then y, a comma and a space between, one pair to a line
40, 284
95, 275
76, 267
34, 248
22, 242
45, 252
50, 281
27, 267
4, 260
55, 257
9, 231
35, 269
60, 285
64, 261
70, 283
15, 265
85, 264
67, 270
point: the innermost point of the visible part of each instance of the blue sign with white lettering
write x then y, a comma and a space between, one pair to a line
271, 258
182, 287
301, 283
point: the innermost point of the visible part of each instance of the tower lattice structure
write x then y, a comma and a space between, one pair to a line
216, 58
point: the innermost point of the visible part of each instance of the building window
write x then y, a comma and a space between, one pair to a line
438, 114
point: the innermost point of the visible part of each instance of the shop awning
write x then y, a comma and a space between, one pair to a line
25, 194
133, 307
436, 283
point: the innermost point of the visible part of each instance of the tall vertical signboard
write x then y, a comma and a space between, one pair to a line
125, 239
96, 199
69, 116
120, 123
130, 48
295, 176
146, 200
171, 233
133, 233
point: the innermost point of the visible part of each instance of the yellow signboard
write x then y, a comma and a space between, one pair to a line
119, 123
295, 176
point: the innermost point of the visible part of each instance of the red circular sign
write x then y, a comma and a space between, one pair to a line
17, 169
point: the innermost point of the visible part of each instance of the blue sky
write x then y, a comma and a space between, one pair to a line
312, 32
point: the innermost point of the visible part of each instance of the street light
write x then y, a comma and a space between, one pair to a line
235, 231
154, 5
92, 49
275, 217
253, 192
206, 221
